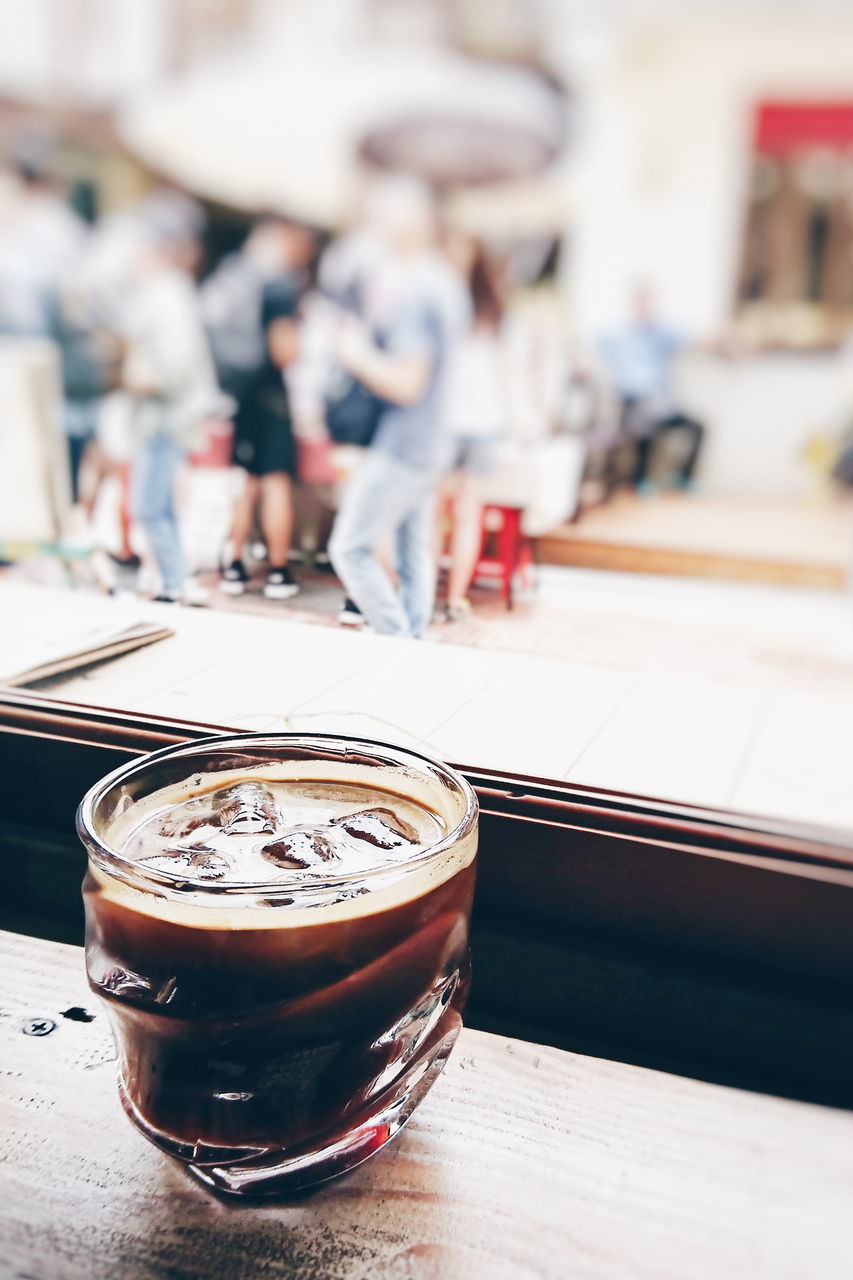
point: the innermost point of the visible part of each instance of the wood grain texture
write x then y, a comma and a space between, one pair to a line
523, 1162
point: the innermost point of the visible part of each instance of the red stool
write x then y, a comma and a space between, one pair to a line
506, 551
214, 449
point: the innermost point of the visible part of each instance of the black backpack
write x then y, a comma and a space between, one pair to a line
352, 410
231, 301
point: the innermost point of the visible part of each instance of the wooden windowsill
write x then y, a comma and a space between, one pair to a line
523, 1162
689, 940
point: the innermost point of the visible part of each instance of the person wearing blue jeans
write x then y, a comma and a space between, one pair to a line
388, 496
153, 479
169, 374
422, 308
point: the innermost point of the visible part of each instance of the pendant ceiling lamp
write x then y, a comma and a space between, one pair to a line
291, 128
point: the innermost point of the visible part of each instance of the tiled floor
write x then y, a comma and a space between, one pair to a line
703, 692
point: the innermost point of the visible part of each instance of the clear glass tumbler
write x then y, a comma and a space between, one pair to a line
274, 1034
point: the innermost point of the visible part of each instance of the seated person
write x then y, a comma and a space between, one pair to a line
638, 357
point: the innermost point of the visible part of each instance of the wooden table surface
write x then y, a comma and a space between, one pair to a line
523, 1162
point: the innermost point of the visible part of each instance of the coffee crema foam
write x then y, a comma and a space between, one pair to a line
344, 847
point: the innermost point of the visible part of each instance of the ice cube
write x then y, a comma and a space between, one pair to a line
185, 819
299, 850
193, 863
381, 828
246, 809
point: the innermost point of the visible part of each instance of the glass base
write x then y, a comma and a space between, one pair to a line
267, 1172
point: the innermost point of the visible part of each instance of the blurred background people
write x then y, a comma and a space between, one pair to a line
40, 236
638, 357
90, 352
249, 305
476, 412
169, 373
89, 328
41, 240
553, 138
419, 304
350, 410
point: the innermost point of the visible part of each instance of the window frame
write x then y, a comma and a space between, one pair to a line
699, 940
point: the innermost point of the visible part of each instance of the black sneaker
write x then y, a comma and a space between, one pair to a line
350, 615
234, 579
280, 585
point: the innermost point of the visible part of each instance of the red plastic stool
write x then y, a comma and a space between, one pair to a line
506, 552
214, 449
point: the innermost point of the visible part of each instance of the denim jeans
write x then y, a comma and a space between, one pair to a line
79, 419
388, 496
152, 500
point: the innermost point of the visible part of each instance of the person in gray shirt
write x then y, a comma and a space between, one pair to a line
420, 309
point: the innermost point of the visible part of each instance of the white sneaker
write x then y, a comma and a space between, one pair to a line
234, 579
280, 585
195, 594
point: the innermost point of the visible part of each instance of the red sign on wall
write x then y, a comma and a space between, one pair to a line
790, 126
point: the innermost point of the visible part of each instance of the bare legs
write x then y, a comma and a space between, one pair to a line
465, 492
273, 495
277, 515
96, 467
243, 516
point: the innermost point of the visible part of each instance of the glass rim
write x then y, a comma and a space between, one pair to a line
129, 871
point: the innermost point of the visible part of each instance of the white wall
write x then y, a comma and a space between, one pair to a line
127, 47
25, 47
91, 52
664, 146
663, 154
760, 414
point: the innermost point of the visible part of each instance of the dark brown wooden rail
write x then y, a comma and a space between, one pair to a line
701, 941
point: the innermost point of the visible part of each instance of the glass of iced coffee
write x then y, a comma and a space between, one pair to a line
279, 927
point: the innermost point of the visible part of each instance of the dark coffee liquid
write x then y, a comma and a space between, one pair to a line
246, 1028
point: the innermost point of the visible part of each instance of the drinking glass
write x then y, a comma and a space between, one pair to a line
272, 1035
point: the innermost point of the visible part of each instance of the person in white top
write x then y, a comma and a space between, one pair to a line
168, 370
476, 419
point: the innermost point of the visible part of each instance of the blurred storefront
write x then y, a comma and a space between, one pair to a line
684, 179
701, 148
